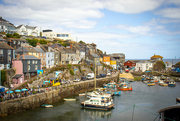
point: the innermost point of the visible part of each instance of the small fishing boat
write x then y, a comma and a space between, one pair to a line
82, 94
114, 92
110, 85
124, 86
162, 83
151, 83
69, 99
47, 106
177, 100
99, 103
172, 84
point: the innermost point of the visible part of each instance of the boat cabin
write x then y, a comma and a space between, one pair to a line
171, 113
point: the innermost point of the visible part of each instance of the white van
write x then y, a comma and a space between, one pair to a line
90, 76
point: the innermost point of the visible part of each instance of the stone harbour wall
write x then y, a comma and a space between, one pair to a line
55, 95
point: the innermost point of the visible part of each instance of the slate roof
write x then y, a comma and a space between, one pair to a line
28, 57
3, 45
1, 39
26, 49
9, 39
144, 61
56, 45
17, 76
39, 50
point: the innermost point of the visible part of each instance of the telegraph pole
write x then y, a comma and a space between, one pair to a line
95, 74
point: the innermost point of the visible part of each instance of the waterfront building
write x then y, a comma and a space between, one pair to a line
26, 66
7, 53
156, 58
144, 65
113, 63
6, 26
28, 30
120, 59
129, 64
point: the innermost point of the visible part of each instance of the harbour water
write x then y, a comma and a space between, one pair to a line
145, 100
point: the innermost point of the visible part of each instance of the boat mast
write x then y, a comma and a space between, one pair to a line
95, 74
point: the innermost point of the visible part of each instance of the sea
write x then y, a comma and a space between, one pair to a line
140, 104
173, 61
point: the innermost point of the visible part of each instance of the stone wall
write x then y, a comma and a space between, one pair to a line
55, 95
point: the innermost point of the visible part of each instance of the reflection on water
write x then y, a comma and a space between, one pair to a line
106, 114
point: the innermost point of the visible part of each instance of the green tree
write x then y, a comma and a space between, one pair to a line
42, 41
16, 35
81, 42
159, 65
178, 64
3, 77
32, 42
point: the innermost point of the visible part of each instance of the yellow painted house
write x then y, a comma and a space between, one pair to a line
113, 63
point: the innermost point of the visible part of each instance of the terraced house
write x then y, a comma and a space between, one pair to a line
7, 53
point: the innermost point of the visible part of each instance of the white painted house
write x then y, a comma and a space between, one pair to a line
143, 65
28, 30
50, 34
49, 59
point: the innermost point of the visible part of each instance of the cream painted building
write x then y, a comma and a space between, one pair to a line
51, 34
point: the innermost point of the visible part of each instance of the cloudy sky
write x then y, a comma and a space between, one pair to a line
137, 28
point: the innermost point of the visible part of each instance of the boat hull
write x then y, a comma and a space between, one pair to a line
125, 89
98, 107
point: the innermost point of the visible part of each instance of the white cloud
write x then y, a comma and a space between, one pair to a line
140, 30
170, 13
74, 14
132, 6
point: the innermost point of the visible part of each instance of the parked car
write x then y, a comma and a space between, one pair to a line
63, 82
90, 76
108, 73
76, 80
102, 75
98, 76
83, 78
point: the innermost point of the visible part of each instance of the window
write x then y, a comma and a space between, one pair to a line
19, 42
48, 61
36, 54
29, 67
35, 67
1, 51
43, 59
43, 54
1, 58
33, 62
40, 54
9, 52
14, 42
28, 62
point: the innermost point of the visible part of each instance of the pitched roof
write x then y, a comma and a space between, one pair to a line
156, 56
26, 49
28, 57
56, 45
144, 61
3, 45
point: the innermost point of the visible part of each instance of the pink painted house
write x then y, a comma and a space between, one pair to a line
19, 77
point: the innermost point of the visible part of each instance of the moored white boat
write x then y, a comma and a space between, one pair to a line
69, 99
100, 103
47, 106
